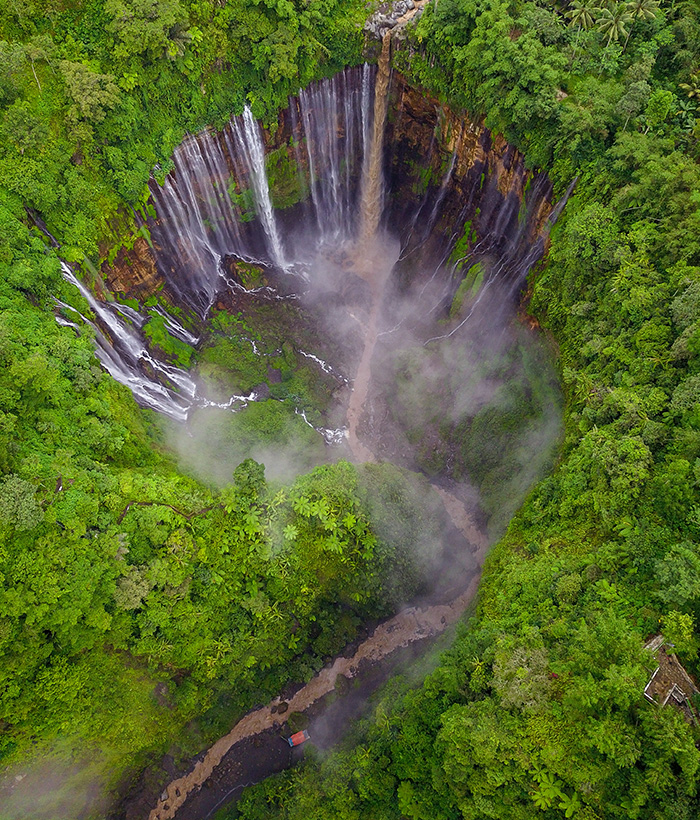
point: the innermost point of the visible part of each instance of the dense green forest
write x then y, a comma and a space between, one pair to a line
121, 577
133, 598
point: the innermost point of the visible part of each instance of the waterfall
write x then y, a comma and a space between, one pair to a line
205, 206
122, 350
252, 150
335, 120
372, 181
197, 222
124, 353
216, 202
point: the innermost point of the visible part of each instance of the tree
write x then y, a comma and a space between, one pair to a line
646, 9
633, 101
151, 27
249, 478
660, 105
40, 47
678, 575
678, 631
613, 22
92, 93
581, 14
23, 127
521, 677
11, 60
18, 505
692, 88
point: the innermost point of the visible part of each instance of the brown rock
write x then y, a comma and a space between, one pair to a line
133, 272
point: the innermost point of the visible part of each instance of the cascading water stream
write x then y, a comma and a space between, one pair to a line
372, 181
251, 148
124, 353
122, 350
199, 223
216, 203
374, 258
196, 224
335, 119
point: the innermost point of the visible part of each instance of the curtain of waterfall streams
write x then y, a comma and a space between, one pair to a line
201, 219
216, 203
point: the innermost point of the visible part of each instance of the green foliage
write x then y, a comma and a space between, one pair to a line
468, 289
287, 186
94, 95
164, 343
117, 573
151, 27
678, 628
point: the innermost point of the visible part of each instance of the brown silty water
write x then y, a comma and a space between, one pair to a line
372, 188
375, 256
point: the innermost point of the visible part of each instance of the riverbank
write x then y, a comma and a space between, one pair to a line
409, 626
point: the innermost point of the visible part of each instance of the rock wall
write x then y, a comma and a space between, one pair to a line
450, 184
451, 180
134, 271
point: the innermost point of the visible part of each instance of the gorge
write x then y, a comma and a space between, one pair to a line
404, 234
314, 317
468, 223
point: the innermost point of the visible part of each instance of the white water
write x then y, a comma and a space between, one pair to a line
336, 121
122, 350
216, 202
199, 223
200, 220
124, 359
249, 141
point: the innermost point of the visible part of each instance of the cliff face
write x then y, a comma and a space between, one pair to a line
133, 272
452, 182
451, 187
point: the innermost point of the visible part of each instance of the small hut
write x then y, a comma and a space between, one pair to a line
670, 683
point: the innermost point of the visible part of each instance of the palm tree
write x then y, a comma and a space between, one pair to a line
613, 22
646, 9
581, 13
643, 8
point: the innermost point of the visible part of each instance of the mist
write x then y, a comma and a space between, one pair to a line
351, 282
48, 786
412, 323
